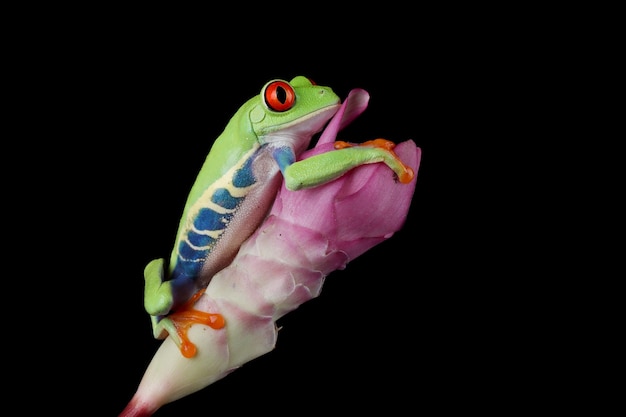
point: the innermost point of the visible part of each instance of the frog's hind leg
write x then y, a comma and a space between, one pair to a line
158, 295
162, 296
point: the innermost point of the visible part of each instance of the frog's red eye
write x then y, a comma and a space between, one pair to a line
279, 95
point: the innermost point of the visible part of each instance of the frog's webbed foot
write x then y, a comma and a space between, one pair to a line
178, 323
383, 149
159, 298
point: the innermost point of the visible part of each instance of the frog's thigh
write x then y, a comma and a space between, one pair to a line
158, 297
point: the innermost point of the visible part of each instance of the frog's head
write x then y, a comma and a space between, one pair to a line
292, 111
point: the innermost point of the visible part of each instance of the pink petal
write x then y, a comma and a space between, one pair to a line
363, 224
372, 202
350, 109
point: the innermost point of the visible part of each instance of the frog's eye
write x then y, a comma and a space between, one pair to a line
279, 95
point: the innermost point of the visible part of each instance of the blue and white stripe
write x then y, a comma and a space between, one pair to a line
209, 216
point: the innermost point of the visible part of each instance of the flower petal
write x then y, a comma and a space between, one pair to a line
350, 109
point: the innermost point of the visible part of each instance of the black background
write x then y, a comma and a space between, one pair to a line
443, 315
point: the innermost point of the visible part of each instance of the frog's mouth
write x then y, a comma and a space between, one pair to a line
350, 109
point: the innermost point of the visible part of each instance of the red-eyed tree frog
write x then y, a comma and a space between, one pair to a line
236, 187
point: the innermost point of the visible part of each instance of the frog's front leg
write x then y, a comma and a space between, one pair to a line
328, 166
161, 296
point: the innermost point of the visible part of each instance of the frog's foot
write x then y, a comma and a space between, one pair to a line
178, 323
404, 173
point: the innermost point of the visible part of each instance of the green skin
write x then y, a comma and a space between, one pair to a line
262, 143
